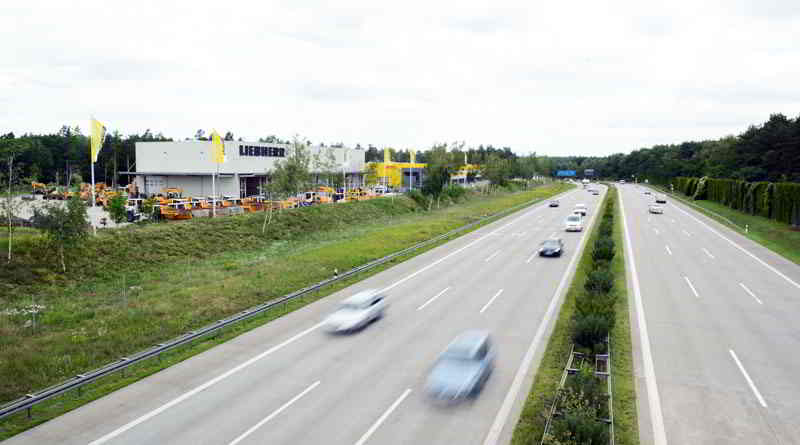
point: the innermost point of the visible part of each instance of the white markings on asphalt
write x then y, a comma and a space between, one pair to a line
202, 387
750, 292
749, 380
794, 283
554, 235
493, 436
491, 300
655, 230
673, 221
531, 258
274, 413
492, 256
378, 423
433, 298
653, 398
692, 287
708, 253
687, 233
668, 251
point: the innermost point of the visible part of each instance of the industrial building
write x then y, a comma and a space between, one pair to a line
187, 165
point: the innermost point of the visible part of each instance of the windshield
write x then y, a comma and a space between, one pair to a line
351, 307
573, 218
550, 243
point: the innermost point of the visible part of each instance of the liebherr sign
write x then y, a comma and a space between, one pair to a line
258, 150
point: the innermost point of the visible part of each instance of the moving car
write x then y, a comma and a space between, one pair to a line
551, 247
646, 191
581, 208
655, 208
574, 223
463, 368
356, 312
595, 192
554, 203
661, 199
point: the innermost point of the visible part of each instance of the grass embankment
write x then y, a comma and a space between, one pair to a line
139, 286
774, 235
532, 421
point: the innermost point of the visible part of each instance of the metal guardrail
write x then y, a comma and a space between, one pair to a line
77, 382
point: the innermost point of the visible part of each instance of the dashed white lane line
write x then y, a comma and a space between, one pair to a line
750, 292
491, 256
691, 287
708, 253
749, 380
383, 418
274, 413
687, 233
554, 235
668, 251
655, 230
486, 306
433, 298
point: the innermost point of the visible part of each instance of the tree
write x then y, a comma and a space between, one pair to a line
228, 136
497, 170
437, 171
200, 135
292, 174
116, 208
327, 168
10, 149
64, 226
371, 176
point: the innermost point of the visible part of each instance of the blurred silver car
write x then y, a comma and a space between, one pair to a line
356, 312
655, 208
463, 368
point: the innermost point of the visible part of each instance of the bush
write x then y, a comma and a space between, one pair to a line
606, 228
116, 208
591, 330
591, 387
578, 423
599, 281
454, 191
603, 249
420, 199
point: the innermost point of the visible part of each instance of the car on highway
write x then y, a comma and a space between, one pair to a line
551, 247
356, 312
595, 192
463, 368
573, 223
646, 191
554, 203
661, 199
655, 208
581, 208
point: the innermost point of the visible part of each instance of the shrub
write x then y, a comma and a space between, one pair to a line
591, 330
591, 387
116, 208
578, 423
599, 281
420, 199
606, 228
603, 249
454, 191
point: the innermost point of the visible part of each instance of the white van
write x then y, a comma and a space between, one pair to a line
573, 223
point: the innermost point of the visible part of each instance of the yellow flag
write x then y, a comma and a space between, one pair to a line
413, 156
387, 156
97, 138
217, 148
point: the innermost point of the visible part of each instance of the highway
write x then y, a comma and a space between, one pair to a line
720, 317
288, 382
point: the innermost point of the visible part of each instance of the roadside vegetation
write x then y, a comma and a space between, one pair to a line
595, 308
130, 288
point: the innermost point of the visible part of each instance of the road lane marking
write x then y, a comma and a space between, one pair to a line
491, 300
655, 230
378, 423
531, 258
668, 251
692, 287
749, 380
493, 436
433, 298
202, 387
274, 413
708, 253
734, 244
491, 256
653, 397
687, 233
554, 235
750, 292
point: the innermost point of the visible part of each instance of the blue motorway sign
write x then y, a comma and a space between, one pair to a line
565, 173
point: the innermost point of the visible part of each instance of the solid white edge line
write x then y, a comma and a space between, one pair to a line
380, 420
491, 256
655, 230
653, 398
687, 233
694, 291
749, 380
202, 387
708, 253
668, 251
433, 298
734, 244
500, 420
750, 292
274, 413
531, 258
491, 300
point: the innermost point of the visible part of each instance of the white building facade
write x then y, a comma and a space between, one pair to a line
187, 165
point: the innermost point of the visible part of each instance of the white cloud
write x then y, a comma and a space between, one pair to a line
558, 78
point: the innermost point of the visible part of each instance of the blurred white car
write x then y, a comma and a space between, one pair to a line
581, 208
655, 208
463, 368
574, 223
356, 312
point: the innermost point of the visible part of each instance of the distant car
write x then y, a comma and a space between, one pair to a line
29, 197
581, 208
462, 369
573, 223
595, 192
554, 203
551, 247
661, 199
646, 191
622, 181
356, 312
655, 208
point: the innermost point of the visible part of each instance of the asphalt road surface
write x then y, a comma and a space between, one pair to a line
288, 382
719, 351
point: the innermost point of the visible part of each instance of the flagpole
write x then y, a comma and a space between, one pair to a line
214, 194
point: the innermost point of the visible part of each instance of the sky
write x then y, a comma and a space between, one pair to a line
587, 78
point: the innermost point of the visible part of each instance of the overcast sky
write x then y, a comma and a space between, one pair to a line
558, 78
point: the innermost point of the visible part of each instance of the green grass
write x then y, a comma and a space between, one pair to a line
773, 235
530, 427
95, 316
